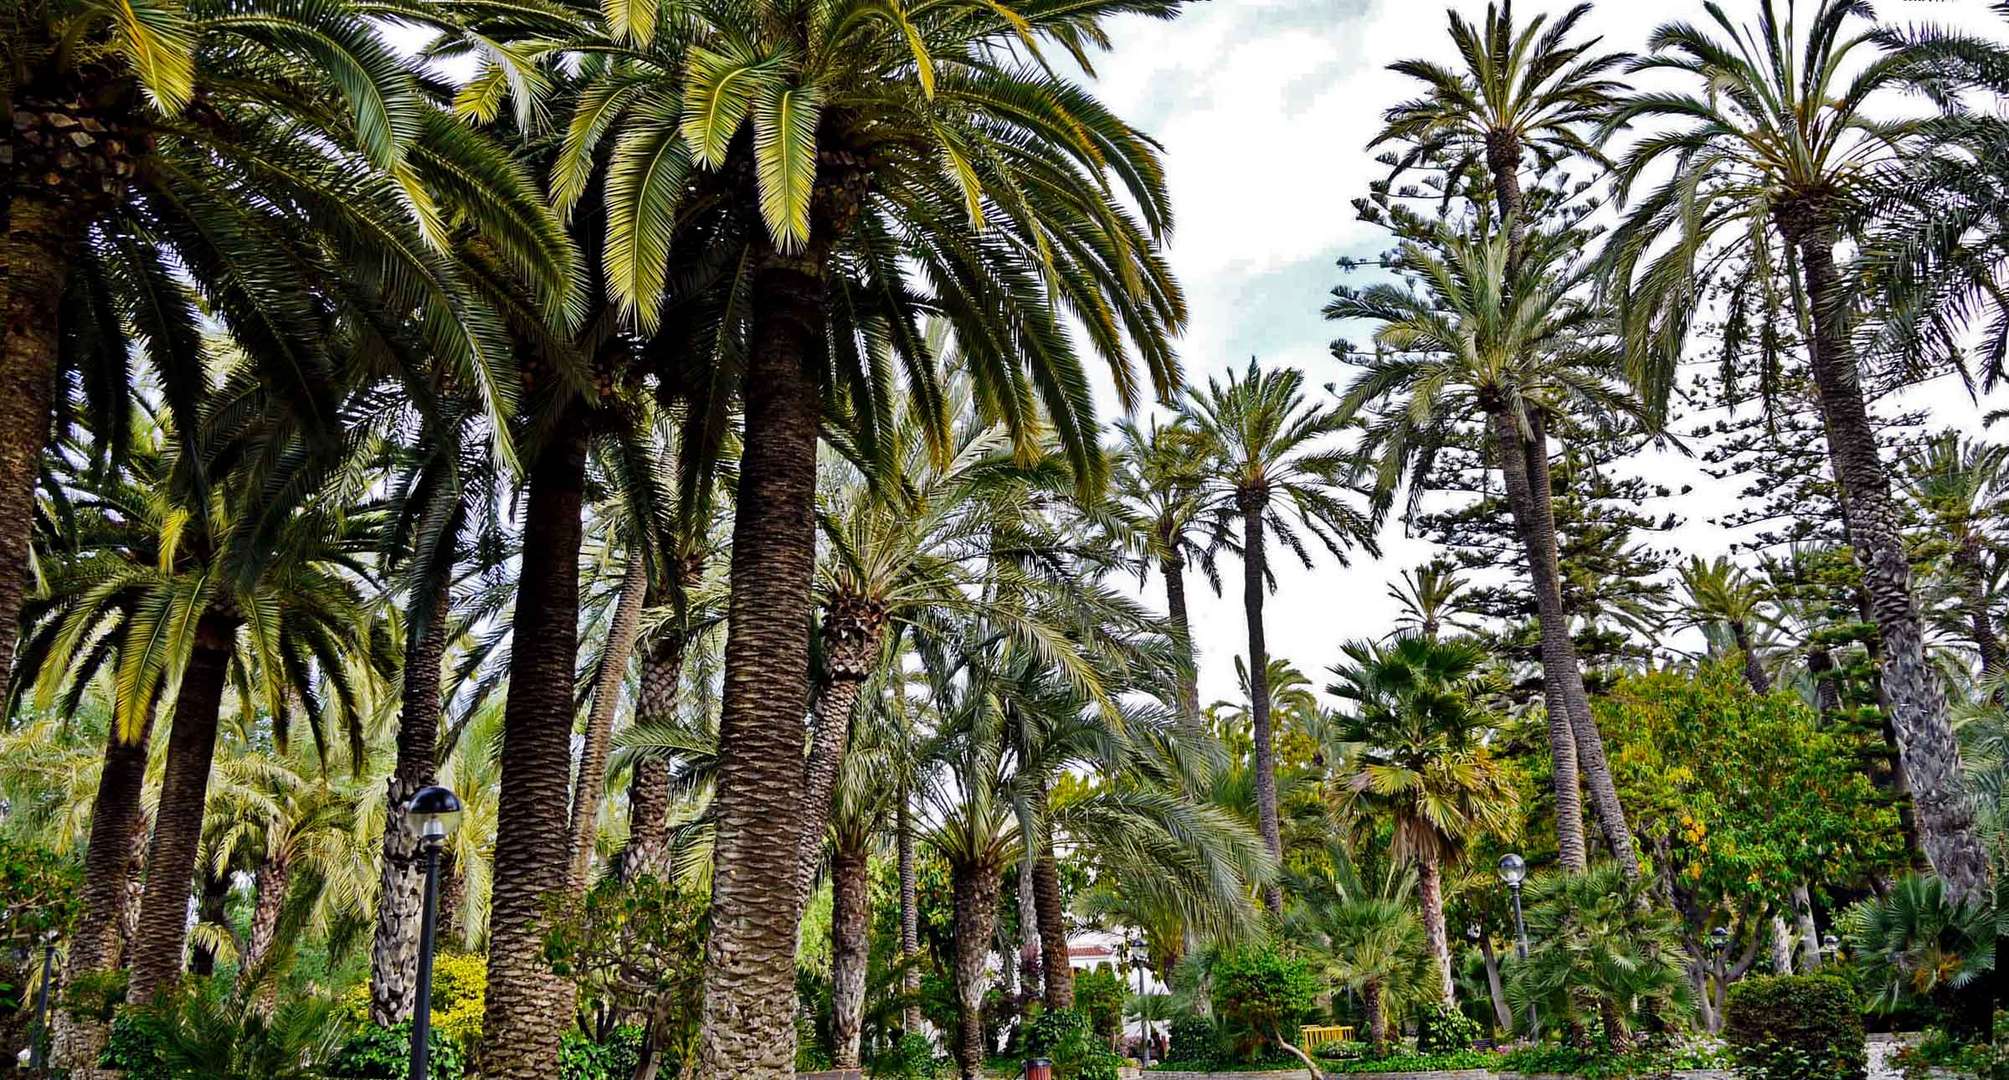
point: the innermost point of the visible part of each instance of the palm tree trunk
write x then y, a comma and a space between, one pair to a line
41, 240
1591, 761
1557, 650
1503, 160
1430, 895
1030, 971
269, 884
607, 679
1503, 1014
527, 1006
852, 628
1926, 747
1057, 972
1754, 672
116, 817
648, 853
212, 897
975, 894
910, 913
748, 1026
851, 886
1254, 588
1377, 1018
177, 833
394, 952
1821, 670
1173, 566
1972, 570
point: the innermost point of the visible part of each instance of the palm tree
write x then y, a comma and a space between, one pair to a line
1721, 594
1919, 943
1522, 93
1600, 945
1156, 489
1428, 596
1369, 938
890, 153
1769, 150
1416, 731
1504, 338
1271, 469
1957, 485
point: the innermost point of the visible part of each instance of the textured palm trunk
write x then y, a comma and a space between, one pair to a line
1057, 972
1430, 895
528, 1007
975, 895
1503, 1015
1926, 747
41, 239
852, 630
1503, 160
191, 746
1821, 671
1591, 763
212, 897
1173, 566
607, 679
116, 817
1754, 672
648, 853
394, 951
269, 884
850, 896
1377, 1018
748, 1024
1254, 589
1972, 569
1031, 979
1558, 652
1616, 1030
910, 913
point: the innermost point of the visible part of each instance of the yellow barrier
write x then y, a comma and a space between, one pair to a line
1313, 1036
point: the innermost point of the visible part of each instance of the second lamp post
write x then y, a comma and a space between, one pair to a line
435, 810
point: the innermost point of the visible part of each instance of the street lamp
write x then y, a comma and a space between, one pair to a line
436, 810
1514, 871
1138, 956
38, 1052
1831, 948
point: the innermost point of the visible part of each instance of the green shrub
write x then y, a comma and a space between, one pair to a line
1195, 1039
1099, 995
1796, 1027
912, 1058
1076, 1050
1403, 1061
581, 1058
1261, 996
1442, 1028
385, 1053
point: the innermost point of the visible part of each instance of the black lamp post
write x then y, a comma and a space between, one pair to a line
435, 810
1514, 871
1831, 948
38, 1052
1138, 955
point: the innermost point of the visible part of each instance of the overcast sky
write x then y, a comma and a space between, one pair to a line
1264, 107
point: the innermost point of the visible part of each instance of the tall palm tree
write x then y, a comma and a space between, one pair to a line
1414, 731
1502, 338
894, 164
1156, 487
1523, 93
1271, 471
1721, 594
1769, 150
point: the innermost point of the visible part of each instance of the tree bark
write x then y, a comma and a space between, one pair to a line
1377, 1018
975, 895
269, 884
1972, 568
910, 913
852, 630
607, 679
1927, 751
1503, 1015
1430, 896
1810, 935
1596, 772
42, 238
748, 1028
394, 952
191, 746
1558, 652
648, 853
1173, 566
1254, 588
851, 886
1057, 971
1031, 974
1754, 672
1821, 670
116, 818
528, 1006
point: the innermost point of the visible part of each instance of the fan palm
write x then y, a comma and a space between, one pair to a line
1769, 150
1509, 342
1721, 594
1523, 92
1368, 936
1920, 943
1270, 472
1414, 728
1600, 945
